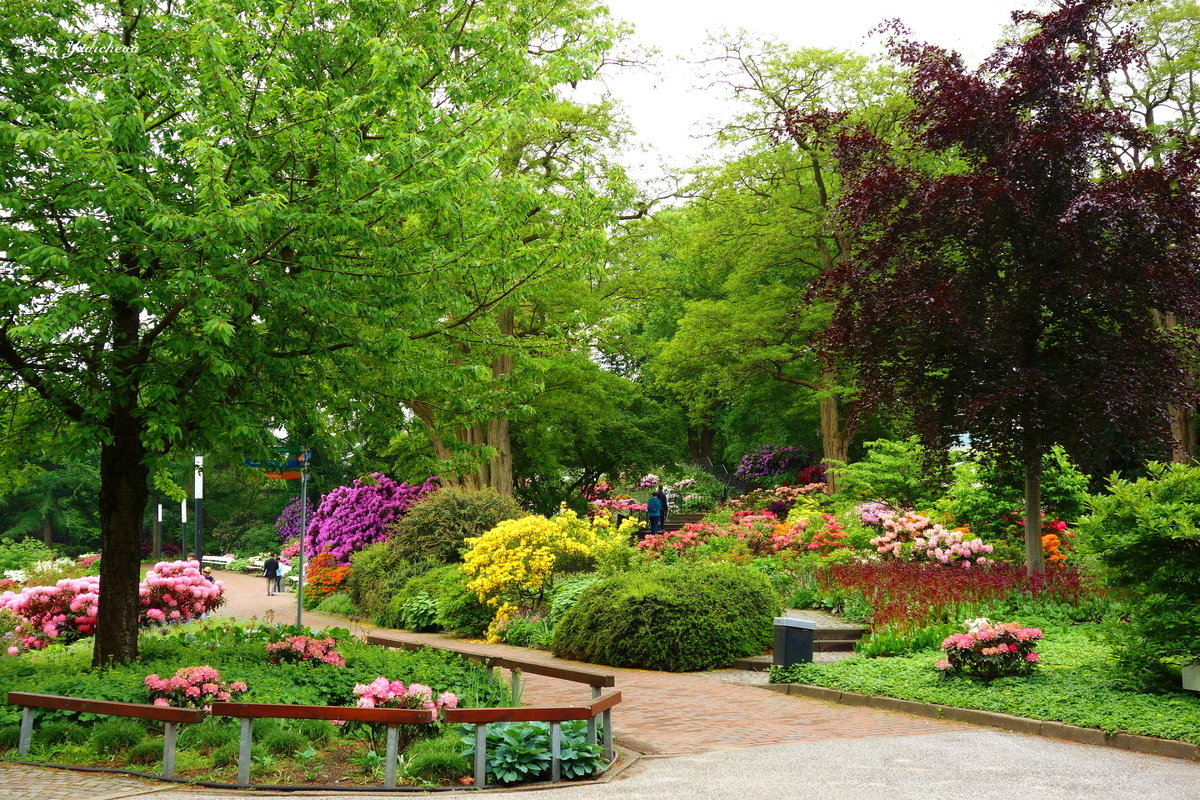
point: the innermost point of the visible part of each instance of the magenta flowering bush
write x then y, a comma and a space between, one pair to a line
649, 481
65, 612
988, 651
287, 524
351, 517
297, 649
383, 693
191, 687
770, 461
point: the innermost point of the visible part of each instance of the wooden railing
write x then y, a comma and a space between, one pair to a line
245, 713
170, 717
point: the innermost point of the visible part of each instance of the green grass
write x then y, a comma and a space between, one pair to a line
1074, 684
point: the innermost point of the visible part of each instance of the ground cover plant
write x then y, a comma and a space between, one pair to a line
1074, 683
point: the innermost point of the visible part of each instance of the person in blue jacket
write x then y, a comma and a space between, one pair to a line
654, 513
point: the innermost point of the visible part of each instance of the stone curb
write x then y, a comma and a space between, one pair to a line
1057, 730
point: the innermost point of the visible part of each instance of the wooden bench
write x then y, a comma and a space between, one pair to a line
555, 715
170, 716
391, 717
217, 561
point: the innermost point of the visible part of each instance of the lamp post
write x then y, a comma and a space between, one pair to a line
303, 531
198, 494
183, 528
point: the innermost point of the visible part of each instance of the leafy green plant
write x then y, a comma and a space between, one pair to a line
284, 741
1145, 536
10, 736
116, 735
531, 630
419, 613
370, 762
317, 731
520, 751
208, 735
894, 471
898, 641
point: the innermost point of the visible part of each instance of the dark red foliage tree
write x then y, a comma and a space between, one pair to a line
1006, 276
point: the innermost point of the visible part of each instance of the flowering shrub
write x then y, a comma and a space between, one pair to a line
291, 549
287, 524
622, 503
296, 649
649, 481
754, 529
382, 693
352, 517
515, 560
909, 536
988, 651
172, 592
818, 533
177, 591
191, 687
322, 577
769, 461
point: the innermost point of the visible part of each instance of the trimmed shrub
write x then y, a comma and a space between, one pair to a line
460, 610
437, 526
672, 618
116, 735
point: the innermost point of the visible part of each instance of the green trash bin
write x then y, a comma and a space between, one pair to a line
793, 641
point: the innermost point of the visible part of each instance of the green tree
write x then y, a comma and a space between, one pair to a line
207, 205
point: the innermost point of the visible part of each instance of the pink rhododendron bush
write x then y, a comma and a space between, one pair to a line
174, 591
990, 650
351, 517
191, 687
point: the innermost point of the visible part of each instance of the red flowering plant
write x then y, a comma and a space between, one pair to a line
754, 529
300, 649
323, 576
819, 533
989, 650
191, 687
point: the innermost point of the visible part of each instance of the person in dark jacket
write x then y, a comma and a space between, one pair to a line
654, 513
271, 573
661, 495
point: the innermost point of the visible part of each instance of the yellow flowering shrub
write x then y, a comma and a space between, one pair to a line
514, 561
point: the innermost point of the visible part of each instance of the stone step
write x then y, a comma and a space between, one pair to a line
677, 521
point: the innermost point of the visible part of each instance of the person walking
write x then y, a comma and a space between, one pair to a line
271, 573
666, 507
654, 513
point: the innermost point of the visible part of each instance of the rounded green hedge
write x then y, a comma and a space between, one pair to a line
437, 526
672, 618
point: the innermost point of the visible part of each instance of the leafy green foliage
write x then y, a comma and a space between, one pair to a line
59, 732
894, 471
438, 759
338, 603
145, 752
23, 554
436, 526
673, 618
1145, 534
284, 741
419, 613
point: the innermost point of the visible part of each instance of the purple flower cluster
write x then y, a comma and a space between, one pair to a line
288, 523
352, 517
770, 460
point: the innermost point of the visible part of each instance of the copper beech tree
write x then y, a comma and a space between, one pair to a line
1007, 270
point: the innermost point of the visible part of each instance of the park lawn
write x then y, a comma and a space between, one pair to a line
1074, 683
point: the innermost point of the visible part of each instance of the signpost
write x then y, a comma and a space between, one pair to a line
198, 494
286, 469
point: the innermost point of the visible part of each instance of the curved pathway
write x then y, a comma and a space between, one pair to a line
706, 739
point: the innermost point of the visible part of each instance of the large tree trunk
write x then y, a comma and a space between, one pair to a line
47, 531
835, 434
1183, 437
700, 443
123, 497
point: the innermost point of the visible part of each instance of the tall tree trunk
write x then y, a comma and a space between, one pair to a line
1183, 437
123, 497
700, 443
835, 434
1035, 559
47, 531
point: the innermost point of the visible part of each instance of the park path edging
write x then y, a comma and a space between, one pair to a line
1153, 745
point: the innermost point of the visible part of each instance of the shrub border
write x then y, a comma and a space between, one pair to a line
1171, 748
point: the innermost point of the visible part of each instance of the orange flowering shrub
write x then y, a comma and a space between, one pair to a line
323, 577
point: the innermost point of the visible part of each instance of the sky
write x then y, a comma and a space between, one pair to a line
670, 109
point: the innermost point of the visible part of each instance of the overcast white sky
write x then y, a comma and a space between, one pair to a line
668, 107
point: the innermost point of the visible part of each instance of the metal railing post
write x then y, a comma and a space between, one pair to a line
608, 735
481, 754
26, 737
243, 777
389, 768
555, 752
169, 730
